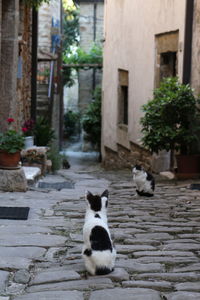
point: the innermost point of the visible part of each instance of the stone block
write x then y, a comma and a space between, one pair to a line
13, 180
35, 157
128, 294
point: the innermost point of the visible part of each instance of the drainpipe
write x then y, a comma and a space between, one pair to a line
187, 58
34, 63
94, 39
61, 87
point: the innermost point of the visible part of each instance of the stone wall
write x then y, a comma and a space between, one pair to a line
8, 60
91, 30
15, 63
49, 26
44, 29
24, 79
47, 12
126, 158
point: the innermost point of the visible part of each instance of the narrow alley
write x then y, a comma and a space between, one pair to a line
157, 241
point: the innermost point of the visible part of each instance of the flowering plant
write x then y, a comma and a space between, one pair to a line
28, 127
11, 141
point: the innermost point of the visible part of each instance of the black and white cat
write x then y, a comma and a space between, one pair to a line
98, 251
144, 181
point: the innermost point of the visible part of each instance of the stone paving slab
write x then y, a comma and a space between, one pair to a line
157, 285
3, 280
56, 276
176, 277
19, 229
80, 285
128, 294
24, 252
41, 240
184, 296
133, 266
60, 295
188, 286
9, 263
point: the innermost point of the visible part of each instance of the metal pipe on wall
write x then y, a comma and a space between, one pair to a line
187, 58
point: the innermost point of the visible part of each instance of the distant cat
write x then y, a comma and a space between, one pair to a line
98, 251
144, 181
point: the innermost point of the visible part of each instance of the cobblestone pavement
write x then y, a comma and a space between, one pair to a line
157, 241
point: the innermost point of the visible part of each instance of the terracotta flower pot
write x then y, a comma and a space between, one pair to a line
188, 166
9, 160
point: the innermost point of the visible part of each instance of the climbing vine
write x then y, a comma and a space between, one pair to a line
79, 56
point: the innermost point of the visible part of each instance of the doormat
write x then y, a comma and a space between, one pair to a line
14, 213
195, 186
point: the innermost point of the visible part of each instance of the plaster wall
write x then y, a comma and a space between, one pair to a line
195, 71
0, 23
130, 29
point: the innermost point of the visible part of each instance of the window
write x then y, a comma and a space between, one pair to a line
167, 64
166, 55
123, 97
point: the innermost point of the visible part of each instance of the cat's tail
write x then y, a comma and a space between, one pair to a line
146, 194
103, 270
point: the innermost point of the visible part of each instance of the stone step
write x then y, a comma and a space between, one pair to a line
32, 174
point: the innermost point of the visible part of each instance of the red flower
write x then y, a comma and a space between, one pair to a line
10, 120
24, 129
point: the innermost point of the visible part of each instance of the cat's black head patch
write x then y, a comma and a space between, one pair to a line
138, 167
94, 201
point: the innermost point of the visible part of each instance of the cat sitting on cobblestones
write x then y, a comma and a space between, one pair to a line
144, 181
98, 251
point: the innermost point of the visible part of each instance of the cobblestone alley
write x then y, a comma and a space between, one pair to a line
157, 241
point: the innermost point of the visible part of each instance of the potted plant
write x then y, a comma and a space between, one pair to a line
171, 120
11, 143
44, 134
28, 130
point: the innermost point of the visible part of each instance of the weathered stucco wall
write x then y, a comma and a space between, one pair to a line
130, 29
0, 24
195, 78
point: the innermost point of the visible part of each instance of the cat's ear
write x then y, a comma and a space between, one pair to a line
104, 194
88, 195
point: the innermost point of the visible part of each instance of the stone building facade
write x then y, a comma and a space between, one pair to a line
15, 62
91, 31
144, 41
49, 90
